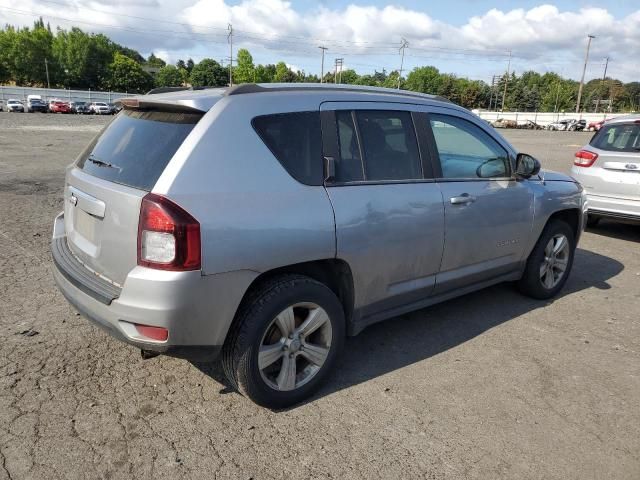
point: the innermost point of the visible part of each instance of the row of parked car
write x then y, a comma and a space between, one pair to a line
567, 125
35, 103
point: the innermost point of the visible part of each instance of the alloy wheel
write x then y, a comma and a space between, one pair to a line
555, 262
295, 346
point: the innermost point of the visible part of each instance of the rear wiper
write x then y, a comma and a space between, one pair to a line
101, 163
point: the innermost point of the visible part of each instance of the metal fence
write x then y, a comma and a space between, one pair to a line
21, 93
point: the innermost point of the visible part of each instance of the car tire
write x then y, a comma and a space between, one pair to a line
549, 264
592, 221
259, 335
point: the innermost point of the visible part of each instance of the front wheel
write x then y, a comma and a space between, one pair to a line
285, 340
550, 262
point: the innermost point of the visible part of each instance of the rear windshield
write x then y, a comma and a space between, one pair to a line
618, 137
137, 146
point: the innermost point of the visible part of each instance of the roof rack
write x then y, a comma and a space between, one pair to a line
258, 88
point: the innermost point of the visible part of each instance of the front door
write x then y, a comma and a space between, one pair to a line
488, 213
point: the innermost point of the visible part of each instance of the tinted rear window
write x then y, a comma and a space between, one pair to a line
295, 140
137, 146
618, 137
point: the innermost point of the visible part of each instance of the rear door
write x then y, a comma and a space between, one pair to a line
618, 149
105, 187
388, 209
488, 214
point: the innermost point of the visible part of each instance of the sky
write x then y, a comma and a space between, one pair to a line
470, 38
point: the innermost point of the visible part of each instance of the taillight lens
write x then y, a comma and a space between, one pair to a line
585, 158
168, 237
159, 334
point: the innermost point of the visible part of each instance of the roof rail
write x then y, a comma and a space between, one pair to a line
257, 88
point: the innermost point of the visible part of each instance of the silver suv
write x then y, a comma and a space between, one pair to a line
267, 222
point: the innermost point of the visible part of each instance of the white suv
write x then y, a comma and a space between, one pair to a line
99, 108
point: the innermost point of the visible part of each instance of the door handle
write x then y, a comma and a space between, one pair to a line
463, 199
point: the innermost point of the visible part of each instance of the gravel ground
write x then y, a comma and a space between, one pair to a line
491, 385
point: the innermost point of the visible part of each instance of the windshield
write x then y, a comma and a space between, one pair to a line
137, 146
618, 137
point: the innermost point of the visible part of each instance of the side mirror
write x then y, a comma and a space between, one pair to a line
526, 165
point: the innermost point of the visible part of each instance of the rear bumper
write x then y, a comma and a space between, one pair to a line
613, 207
197, 310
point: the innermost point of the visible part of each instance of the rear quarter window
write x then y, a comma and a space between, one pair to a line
295, 140
619, 137
136, 147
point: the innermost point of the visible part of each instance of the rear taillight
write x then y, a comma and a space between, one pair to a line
168, 237
585, 158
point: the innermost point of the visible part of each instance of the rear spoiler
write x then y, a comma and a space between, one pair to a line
153, 104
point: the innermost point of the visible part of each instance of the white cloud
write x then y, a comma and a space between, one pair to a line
543, 37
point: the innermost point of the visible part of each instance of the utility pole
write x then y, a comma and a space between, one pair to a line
604, 76
404, 45
46, 67
338, 63
230, 40
506, 82
322, 64
493, 90
555, 108
584, 70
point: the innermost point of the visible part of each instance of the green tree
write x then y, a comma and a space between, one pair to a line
127, 75
425, 80
170, 76
367, 80
244, 72
153, 61
348, 76
209, 73
284, 74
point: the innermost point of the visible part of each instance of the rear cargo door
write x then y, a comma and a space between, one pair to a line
618, 149
104, 189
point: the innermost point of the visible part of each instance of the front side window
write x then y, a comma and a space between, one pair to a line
620, 137
466, 151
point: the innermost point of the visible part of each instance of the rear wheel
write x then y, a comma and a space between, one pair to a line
550, 262
285, 341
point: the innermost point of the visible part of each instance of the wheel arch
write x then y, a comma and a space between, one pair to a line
570, 216
334, 273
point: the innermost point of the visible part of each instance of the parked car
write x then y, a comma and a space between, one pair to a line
577, 125
568, 125
531, 125
59, 107
595, 126
113, 109
79, 107
36, 104
1, 105
266, 222
504, 123
608, 168
14, 105
99, 108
